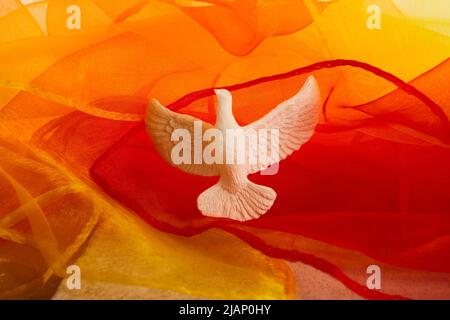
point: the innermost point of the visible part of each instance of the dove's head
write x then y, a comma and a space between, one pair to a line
224, 99
224, 111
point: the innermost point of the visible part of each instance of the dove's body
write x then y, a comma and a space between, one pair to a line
234, 196
233, 175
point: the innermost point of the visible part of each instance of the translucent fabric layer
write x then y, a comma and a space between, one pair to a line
371, 186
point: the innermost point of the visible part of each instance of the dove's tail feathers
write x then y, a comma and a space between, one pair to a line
242, 203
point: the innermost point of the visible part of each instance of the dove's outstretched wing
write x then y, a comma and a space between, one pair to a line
161, 122
295, 119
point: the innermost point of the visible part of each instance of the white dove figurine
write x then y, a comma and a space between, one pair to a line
234, 196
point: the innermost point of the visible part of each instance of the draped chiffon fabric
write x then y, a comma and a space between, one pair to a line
372, 186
